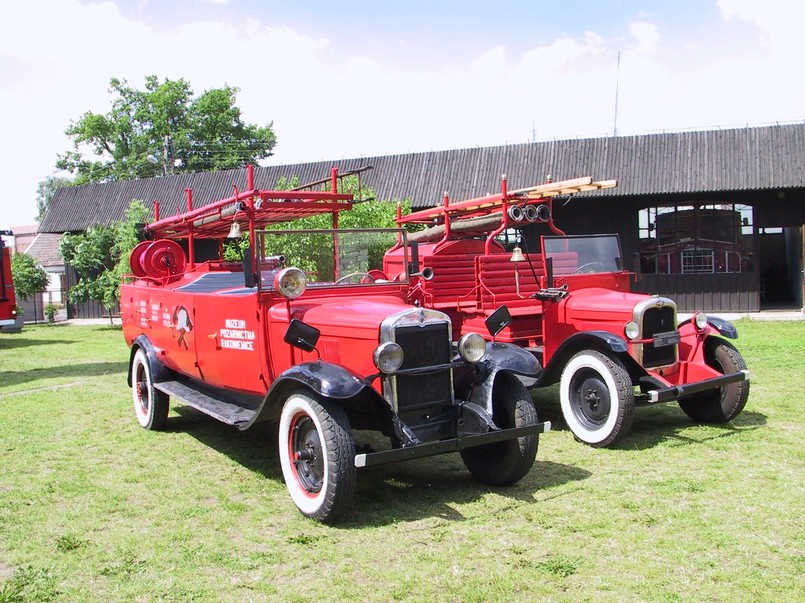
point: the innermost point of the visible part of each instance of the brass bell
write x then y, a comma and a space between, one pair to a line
517, 255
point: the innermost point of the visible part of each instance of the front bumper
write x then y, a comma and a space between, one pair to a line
445, 446
678, 391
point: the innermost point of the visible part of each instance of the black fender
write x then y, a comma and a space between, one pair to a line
502, 360
326, 379
159, 372
724, 327
586, 340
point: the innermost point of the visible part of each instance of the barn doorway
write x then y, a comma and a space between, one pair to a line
781, 263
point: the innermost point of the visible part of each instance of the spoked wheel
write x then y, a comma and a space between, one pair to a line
150, 404
725, 403
505, 463
597, 398
317, 455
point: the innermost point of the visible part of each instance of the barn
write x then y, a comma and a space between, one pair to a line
712, 218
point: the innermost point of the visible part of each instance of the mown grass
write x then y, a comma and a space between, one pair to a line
94, 508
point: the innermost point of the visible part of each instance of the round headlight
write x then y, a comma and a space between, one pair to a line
700, 320
388, 357
290, 282
631, 330
471, 347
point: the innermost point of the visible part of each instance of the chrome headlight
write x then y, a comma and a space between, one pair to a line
388, 357
631, 330
700, 320
290, 282
471, 347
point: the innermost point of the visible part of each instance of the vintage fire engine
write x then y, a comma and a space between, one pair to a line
570, 304
309, 331
8, 302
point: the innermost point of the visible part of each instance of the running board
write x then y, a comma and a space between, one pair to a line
218, 405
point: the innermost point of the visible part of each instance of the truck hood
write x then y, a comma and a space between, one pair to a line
351, 317
601, 304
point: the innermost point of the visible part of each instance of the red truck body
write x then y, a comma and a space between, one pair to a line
8, 301
309, 332
570, 304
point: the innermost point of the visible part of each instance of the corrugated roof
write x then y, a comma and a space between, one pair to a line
680, 162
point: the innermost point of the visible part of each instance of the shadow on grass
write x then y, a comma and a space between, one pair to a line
255, 448
669, 424
433, 487
652, 425
7, 343
385, 494
88, 369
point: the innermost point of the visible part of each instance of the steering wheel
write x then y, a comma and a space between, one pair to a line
365, 277
589, 268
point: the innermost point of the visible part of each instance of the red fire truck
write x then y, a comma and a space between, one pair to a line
308, 331
8, 302
569, 302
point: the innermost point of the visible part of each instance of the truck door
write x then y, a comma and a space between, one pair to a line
228, 340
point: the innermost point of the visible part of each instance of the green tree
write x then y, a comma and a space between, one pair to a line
28, 276
204, 133
46, 190
312, 251
100, 257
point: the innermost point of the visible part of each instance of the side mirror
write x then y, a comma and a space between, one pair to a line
302, 336
498, 320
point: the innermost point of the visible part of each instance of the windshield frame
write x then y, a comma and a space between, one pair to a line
591, 258
268, 264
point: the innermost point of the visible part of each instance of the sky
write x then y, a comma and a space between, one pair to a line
361, 78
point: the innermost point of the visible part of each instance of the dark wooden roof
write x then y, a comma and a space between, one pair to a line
771, 157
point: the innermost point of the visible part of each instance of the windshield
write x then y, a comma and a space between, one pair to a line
583, 254
328, 257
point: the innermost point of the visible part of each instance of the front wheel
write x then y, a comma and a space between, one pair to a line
597, 398
317, 455
150, 404
505, 463
725, 403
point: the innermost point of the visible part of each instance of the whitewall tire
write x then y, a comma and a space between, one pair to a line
597, 398
317, 455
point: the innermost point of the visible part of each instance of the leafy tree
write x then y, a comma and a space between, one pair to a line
312, 252
45, 191
28, 276
204, 133
100, 257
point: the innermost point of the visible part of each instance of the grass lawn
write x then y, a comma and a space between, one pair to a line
94, 508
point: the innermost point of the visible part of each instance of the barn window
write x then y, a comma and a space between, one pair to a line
697, 260
696, 238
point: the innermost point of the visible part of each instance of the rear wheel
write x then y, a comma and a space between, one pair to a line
725, 403
505, 463
150, 404
317, 455
597, 398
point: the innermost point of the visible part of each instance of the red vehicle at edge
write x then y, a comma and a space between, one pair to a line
308, 331
570, 304
8, 302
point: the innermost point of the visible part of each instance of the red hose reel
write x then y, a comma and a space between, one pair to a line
159, 259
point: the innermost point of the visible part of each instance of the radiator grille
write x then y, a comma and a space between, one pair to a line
424, 346
659, 320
